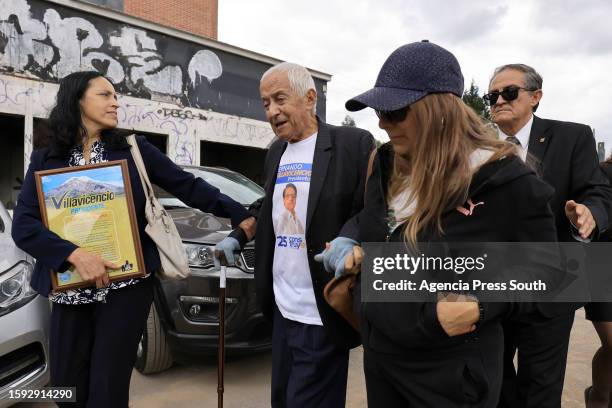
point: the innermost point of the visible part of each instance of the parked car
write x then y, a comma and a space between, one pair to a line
24, 320
183, 321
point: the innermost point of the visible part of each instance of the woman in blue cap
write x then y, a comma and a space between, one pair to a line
443, 177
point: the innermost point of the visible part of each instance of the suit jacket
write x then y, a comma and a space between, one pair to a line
606, 236
336, 195
51, 251
566, 158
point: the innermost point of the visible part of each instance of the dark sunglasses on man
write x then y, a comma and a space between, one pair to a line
509, 94
394, 116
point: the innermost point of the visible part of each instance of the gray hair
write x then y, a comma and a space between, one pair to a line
300, 80
533, 80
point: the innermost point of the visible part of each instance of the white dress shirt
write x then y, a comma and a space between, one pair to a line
523, 137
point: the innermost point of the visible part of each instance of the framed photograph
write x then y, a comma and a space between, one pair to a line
92, 206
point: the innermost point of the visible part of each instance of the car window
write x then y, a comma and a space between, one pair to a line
232, 184
1, 225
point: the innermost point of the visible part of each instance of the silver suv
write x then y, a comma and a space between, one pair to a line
24, 320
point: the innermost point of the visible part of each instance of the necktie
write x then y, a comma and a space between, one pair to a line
513, 140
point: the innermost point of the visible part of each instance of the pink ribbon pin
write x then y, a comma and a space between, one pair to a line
467, 212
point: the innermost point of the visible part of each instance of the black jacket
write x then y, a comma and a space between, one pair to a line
566, 158
606, 167
51, 251
515, 209
336, 194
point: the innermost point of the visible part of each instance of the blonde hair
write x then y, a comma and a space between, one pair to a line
437, 171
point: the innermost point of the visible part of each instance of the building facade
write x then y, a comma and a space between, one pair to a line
193, 16
196, 98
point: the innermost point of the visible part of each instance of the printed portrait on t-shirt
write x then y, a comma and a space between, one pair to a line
290, 204
292, 281
289, 222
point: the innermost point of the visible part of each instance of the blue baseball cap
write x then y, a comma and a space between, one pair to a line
411, 72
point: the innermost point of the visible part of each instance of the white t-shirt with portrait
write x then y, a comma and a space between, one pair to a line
292, 282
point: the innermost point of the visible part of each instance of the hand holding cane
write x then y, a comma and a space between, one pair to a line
223, 257
221, 347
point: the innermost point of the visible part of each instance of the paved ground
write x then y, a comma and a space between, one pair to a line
248, 379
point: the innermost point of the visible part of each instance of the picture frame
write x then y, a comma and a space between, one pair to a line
92, 206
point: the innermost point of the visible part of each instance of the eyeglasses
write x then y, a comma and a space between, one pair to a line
394, 116
509, 94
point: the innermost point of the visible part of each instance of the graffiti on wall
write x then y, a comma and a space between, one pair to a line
168, 85
56, 47
48, 41
185, 127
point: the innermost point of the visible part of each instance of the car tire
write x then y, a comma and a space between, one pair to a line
153, 353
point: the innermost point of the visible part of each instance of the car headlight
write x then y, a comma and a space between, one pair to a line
15, 287
199, 256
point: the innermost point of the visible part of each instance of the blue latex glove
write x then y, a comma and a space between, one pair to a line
333, 258
227, 247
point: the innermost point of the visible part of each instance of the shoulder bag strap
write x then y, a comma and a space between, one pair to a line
142, 170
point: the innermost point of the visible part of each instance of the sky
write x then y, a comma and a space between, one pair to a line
569, 42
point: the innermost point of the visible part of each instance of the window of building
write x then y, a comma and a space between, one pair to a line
244, 159
11, 158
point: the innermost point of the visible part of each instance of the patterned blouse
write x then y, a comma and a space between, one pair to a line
89, 295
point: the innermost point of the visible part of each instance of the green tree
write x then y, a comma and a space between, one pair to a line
475, 101
348, 121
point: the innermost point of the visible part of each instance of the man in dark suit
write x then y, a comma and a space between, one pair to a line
327, 164
564, 155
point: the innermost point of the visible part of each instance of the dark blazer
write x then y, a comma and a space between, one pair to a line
336, 194
566, 158
51, 251
606, 167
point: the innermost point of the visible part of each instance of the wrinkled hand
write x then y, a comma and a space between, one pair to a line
335, 256
248, 226
457, 314
352, 262
580, 216
224, 252
91, 267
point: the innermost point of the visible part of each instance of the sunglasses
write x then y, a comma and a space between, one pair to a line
394, 116
509, 94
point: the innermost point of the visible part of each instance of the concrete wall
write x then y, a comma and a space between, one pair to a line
48, 41
185, 127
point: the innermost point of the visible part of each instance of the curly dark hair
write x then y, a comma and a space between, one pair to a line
65, 123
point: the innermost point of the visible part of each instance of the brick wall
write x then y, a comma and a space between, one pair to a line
195, 16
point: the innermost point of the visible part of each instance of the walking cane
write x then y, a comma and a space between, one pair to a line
221, 348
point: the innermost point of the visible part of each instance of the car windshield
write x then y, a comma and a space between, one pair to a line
232, 184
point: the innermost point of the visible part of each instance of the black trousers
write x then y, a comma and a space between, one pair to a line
308, 370
464, 375
542, 355
93, 346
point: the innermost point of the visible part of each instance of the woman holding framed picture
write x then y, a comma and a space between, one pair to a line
95, 330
